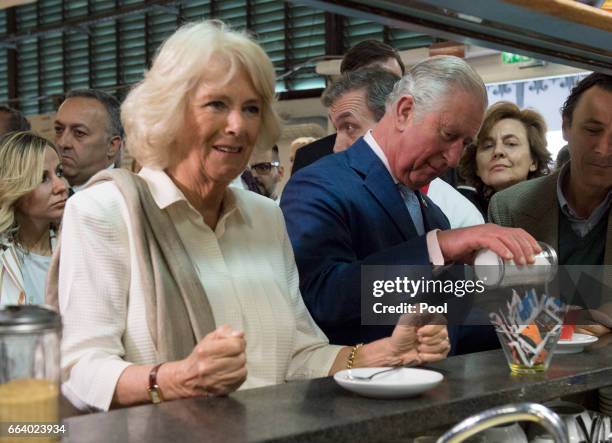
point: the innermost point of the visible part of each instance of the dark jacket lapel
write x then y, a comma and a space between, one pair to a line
433, 217
379, 183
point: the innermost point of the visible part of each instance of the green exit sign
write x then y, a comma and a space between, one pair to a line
509, 58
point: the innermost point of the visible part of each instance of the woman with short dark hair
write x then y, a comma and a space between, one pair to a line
510, 148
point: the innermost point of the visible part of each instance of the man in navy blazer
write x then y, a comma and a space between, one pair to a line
353, 208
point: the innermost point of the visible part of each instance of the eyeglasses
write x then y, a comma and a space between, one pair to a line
264, 168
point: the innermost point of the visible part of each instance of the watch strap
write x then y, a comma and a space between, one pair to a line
155, 393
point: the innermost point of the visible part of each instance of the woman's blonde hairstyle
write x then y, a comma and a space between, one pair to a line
535, 126
153, 112
22, 159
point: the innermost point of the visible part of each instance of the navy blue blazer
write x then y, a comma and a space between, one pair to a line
342, 212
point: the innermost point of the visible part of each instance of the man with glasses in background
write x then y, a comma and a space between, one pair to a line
267, 171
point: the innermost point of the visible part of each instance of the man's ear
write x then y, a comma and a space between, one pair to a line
114, 146
565, 126
281, 171
403, 111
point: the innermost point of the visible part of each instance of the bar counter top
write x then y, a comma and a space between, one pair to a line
321, 411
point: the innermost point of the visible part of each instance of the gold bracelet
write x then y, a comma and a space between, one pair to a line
351, 358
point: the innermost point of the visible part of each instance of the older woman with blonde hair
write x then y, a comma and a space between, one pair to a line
33, 193
171, 283
509, 148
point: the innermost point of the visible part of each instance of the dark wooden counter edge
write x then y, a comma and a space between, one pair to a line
319, 410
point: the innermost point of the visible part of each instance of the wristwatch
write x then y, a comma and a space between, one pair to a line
155, 393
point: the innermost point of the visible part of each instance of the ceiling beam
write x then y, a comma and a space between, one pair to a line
581, 40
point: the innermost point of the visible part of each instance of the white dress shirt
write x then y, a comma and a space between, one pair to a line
238, 183
246, 267
461, 212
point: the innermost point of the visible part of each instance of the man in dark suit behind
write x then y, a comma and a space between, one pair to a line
367, 53
362, 206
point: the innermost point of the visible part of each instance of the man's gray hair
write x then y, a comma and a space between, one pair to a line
111, 105
431, 81
377, 83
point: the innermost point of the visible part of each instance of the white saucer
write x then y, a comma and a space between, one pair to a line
402, 382
575, 345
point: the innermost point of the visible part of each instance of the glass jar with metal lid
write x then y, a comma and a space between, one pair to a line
29, 365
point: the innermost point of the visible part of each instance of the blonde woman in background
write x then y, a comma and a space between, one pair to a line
33, 193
